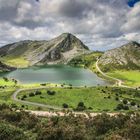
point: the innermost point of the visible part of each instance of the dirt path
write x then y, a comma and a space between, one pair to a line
60, 113
118, 81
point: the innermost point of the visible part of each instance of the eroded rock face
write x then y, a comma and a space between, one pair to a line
45, 52
127, 56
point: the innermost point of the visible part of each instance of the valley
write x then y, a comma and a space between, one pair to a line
69, 69
75, 74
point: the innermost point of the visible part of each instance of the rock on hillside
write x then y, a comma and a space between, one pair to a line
124, 57
59, 50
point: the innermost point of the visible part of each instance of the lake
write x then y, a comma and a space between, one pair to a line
56, 74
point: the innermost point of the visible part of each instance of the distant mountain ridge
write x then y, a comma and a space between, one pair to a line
124, 57
56, 51
62, 49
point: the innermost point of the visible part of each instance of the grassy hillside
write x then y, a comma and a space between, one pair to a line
18, 62
86, 60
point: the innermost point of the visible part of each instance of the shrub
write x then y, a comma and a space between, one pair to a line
38, 93
43, 84
4, 106
119, 107
133, 103
8, 132
109, 97
90, 108
65, 105
31, 94
24, 96
126, 107
13, 106
125, 101
80, 106
5, 79
51, 92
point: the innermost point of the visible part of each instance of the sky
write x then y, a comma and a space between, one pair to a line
100, 24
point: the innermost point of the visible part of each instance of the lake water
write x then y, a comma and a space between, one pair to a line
56, 74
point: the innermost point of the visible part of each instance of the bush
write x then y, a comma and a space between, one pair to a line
125, 101
13, 106
51, 92
133, 103
43, 84
24, 96
119, 107
126, 107
9, 132
4, 106
38, 93
31, 94
109, 97
80, 106
65, 105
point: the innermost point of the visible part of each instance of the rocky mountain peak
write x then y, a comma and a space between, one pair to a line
58, 50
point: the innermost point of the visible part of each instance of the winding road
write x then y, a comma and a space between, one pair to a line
14, 97
59, 109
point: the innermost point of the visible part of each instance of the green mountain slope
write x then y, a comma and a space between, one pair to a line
27, 53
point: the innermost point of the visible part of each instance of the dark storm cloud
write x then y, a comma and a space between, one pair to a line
8, 12
97, 22
74, 8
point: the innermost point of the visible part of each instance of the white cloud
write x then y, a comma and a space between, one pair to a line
132, 20
101, 24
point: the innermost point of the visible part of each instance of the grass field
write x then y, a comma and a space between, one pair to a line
98, 99
130, 78
5, 98
6, 83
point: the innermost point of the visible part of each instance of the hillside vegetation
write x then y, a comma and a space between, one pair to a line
24, 126
86, 60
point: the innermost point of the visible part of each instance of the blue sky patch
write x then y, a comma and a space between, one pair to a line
131, 3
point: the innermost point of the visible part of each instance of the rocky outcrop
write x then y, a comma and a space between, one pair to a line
124, 57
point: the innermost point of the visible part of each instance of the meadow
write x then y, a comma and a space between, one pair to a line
130, 78
97, 99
